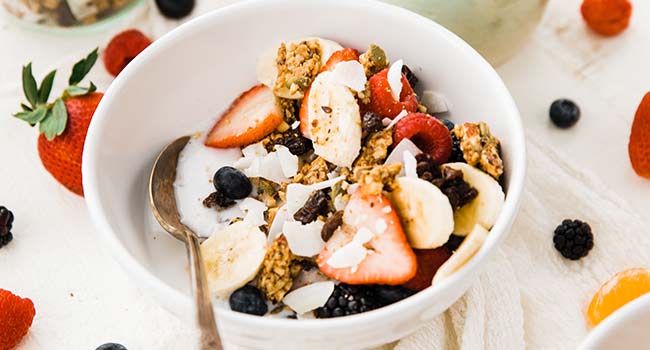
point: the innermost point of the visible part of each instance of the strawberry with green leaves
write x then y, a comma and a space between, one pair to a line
63, 123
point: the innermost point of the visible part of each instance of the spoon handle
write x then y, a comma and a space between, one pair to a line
205, 314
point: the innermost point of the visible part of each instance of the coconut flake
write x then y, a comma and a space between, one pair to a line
435, 102
350, 74
394, 77
304, 240
381, 226
310, 297
254, 210
295, 124
298, 194
410, 165
288, 161
340, 202
275, 229
397, 155
394, 121
254, 150
353, 188
353, 253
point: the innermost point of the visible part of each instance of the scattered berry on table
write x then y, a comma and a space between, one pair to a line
111, 346
564, 113
348, 300
573, 239
619, 290
639, 146
410, 76
123, 48
218, 199
387, 295
16, 316
607, 17
232, 183
175, 9
429, 134
248, 300
6, 222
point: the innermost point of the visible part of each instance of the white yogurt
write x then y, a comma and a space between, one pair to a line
196, 167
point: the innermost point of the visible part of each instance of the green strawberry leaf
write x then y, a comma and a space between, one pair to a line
81, 68
74, 90
46, 87
33, 117
29, 85
25, 107
55, 121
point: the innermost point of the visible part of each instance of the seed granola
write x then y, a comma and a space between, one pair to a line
279, 268
298, 64
480, 148
378, 177
375, 150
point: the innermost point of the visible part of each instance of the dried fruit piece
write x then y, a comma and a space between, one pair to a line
316, 205
429, 134
639, 146
624, 287
123, 48
607, 17
16, 316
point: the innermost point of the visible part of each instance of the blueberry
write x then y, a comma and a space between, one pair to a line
564, 113
448, 123
248, 300
111, 346
175, 8
391, 294
232, 182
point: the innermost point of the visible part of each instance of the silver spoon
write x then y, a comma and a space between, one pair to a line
163, 203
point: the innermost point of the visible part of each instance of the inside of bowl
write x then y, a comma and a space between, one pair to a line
186, 80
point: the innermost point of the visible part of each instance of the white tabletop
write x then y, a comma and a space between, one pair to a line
83, 299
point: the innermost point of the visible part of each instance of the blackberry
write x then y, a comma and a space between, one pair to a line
218, 199
111, 346
348, 300
410, 76
6, 223
248, 300
573, 239
317, 204
448, 123
232, 183
370, 123
456, 152
564, 113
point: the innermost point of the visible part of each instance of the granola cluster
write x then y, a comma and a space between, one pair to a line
375, 150
297, 64
313, 172
65, 13
480, 148
279, 268
378, 177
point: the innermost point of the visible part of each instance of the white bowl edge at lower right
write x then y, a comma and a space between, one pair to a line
625, 329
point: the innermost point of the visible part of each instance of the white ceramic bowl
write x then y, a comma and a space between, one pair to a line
189, 76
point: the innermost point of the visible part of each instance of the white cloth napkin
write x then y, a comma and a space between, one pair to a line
527, 296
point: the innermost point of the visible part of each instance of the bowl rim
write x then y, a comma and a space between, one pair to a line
105, 230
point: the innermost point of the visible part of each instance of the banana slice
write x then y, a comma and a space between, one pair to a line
472, 243
485, 208
425, 212
333, 121
232, 257
267, 71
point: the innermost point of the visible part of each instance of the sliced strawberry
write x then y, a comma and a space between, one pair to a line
429, 261
342, 55
389, 260
427, 132
381, 97
304, 114
639, 146
252, 116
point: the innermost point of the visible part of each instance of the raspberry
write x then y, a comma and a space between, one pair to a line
16, 316
429, 134
123, 48
381, 97
639, 146
607, 17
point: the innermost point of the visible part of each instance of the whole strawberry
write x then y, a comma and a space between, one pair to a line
16, 316
63, 123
